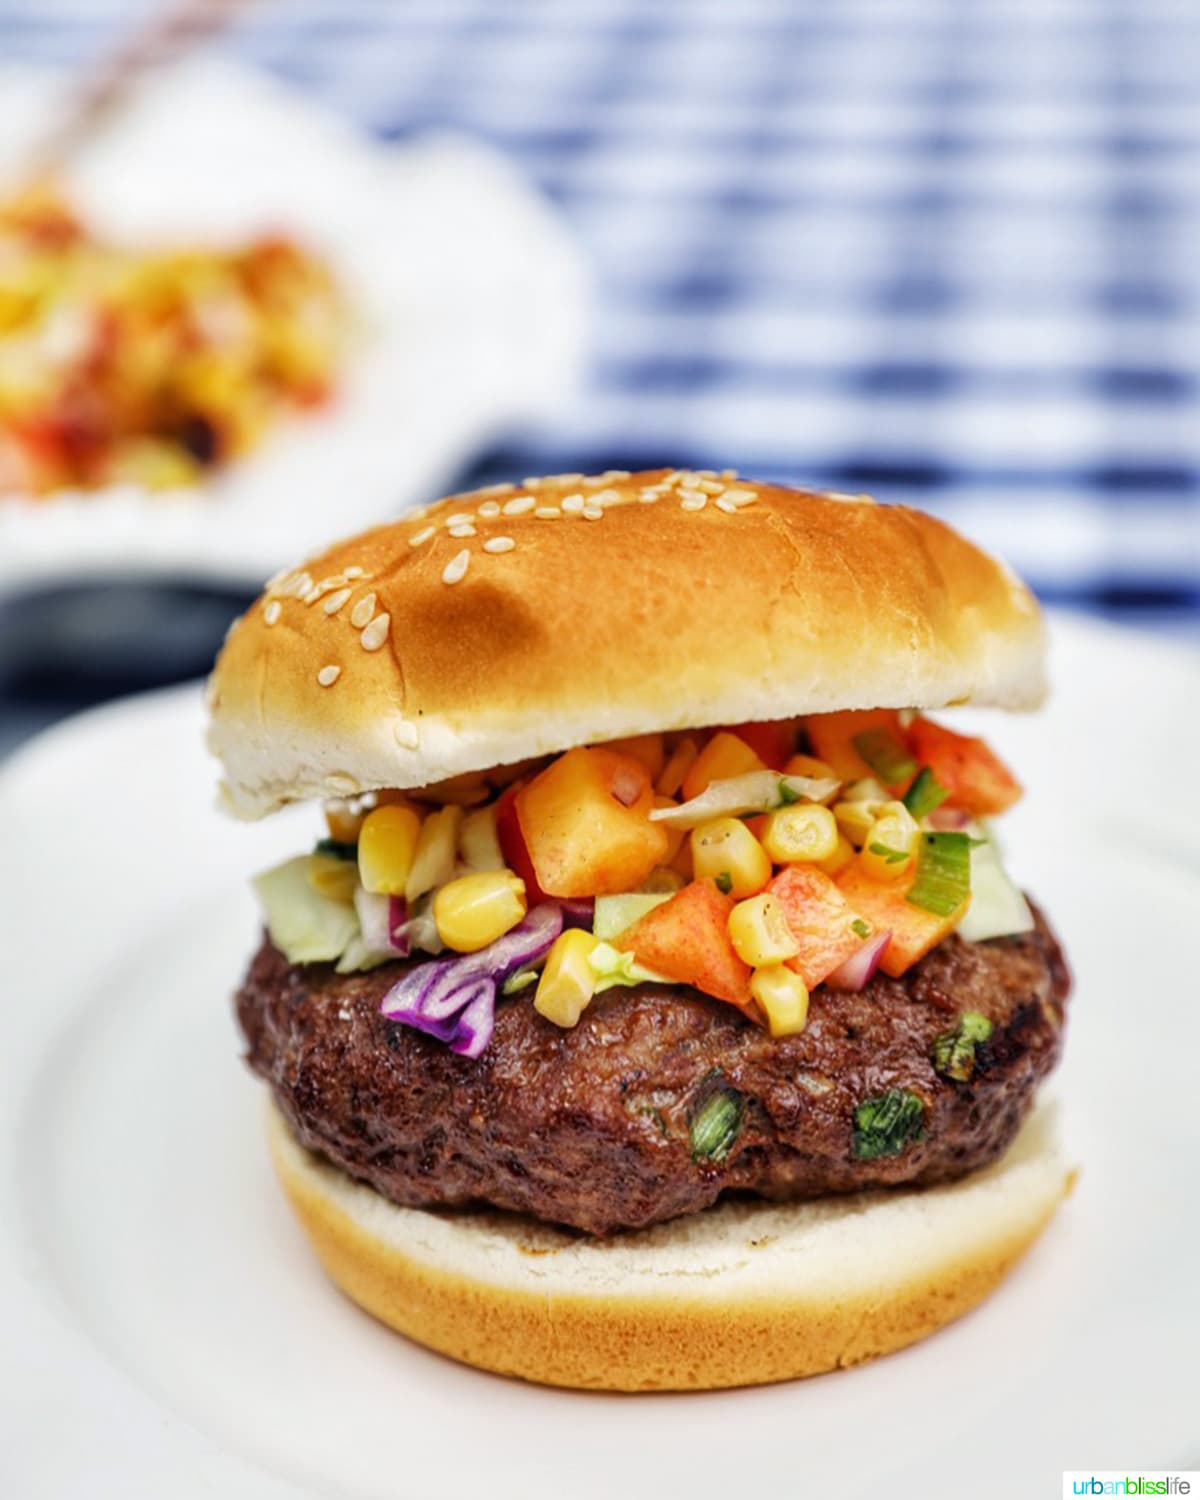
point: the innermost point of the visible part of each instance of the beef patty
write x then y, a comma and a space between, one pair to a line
660, 1099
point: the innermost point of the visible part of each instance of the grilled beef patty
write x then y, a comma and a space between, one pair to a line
596, 1127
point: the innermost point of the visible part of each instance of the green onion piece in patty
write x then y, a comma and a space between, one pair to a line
336, 848
885, 755
925, 794
954, 1051
716, 1121
886, 852
886, 1124
943, 880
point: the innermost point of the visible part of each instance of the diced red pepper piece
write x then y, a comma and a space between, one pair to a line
512, 843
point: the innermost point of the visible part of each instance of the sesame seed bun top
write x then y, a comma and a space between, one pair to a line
522, 620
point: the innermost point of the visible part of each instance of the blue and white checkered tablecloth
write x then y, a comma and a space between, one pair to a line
945, 251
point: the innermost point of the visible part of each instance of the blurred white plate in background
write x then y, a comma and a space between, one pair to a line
167, 1331
468, 293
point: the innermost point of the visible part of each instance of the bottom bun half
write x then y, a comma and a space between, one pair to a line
743, 1294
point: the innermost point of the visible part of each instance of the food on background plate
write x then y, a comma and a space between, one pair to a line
654, 1009
151, 367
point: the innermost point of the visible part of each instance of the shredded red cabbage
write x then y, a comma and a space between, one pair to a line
454, 999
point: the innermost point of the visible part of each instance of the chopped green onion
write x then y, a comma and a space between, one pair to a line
885, 755
954, 1051
925, 794
893, 856
519, 981
724, 882
860, 928
337, 848
943, 880
787, 794
884, 1125
716, 1121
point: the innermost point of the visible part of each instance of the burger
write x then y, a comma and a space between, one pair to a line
653, 1009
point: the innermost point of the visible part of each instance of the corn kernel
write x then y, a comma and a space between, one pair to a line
568, 981
817, 770
343, 822
891, 844
782, 996
839, 859
433, 861
333, 877
856, 819
475, 910
478, 841
803, 833
681, 760
648, 748
726, 851
724, 756
387, 842
759, 931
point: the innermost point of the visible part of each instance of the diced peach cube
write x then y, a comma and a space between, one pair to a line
585, 823
914, 930
822, 921
687, 940
978, 781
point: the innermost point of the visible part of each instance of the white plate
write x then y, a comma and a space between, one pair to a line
167, 1332
467, 293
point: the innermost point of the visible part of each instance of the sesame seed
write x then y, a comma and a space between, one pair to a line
376, 633
520, 506
363, 612
499, 544
548, 512
319, 590
465, 530
648, 497
506, 488
532, 482
421, 536
489, 510
335, 601
728, 474
354, 572
711, 487
300, 584
850, 499
563, 479
405, 732
460, 518
572, 504
606, 497
456, 568
707, 473
741, 497
271, 612
617, 474
592, 513
275, 580
727, 506
327, 676
692, 501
